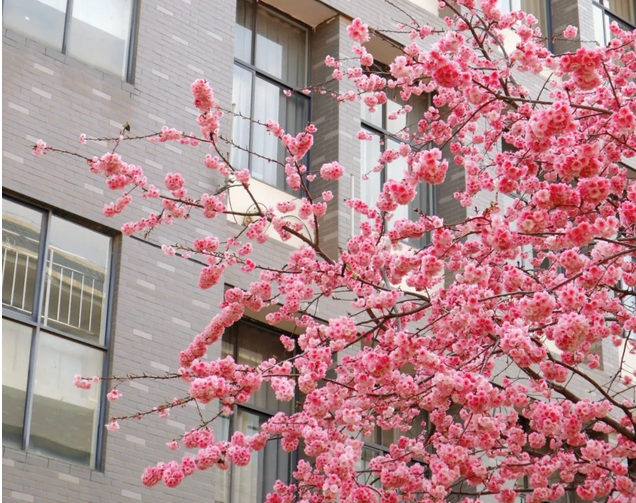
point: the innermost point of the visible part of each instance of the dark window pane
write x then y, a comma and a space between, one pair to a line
222, 479
290, 113
368, 453
256, 344
16, 347
281, 48
76, 287
241, 104
243, 30
20, 250
251, 483
99, 34
64, 422
42, 21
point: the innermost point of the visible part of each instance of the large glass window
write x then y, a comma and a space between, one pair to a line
270, 54
96, 32
384, 125
607, 11
55, 288
250, 344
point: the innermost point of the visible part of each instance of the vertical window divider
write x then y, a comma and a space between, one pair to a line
252, 99
548, 23
132, 44
39, 302
253, 86
67, 24
98, 461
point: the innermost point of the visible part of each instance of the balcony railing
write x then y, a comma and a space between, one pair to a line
73, 298
19, 272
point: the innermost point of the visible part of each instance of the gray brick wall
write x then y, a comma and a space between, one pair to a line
158, 307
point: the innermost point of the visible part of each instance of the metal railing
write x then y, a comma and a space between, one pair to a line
71, 282
14, 299
72, 297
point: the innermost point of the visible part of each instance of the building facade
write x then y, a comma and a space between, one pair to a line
79, 299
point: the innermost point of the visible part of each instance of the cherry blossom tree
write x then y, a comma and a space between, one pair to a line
469, 346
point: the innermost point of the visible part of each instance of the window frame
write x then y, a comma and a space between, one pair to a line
383, 449
35, 323
385, 135
549, 36
132, 36
257, 73
608, 17
260, 412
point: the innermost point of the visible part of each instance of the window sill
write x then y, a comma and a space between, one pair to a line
70, 61
11, 455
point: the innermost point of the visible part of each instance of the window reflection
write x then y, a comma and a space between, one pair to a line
20, 250
606, 12
624, 9
368, 453
241, 104
76, 280
243, 30
250, 344
251, 483
64, 417
42, 21
279, 65
16, 346
281, 48
290, 113
385, 125
74, 285
376, 118
255, 345
99, 34
370, 187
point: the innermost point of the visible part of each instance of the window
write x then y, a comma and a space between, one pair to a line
55, 288
538, 8
251, 344
379, 443
384, 125
607, 11
270, 57
96, 32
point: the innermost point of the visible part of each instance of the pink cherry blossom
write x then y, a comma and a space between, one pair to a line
114, 395
331, 171
358, 31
